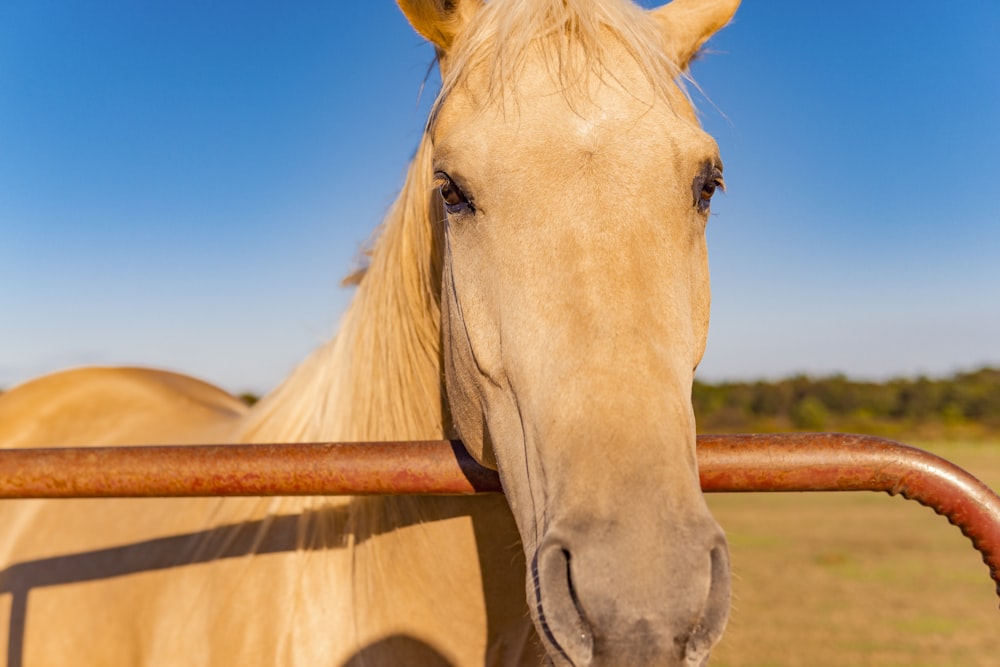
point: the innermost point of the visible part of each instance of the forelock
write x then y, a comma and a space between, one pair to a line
571, 36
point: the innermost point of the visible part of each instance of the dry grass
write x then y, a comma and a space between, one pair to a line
857, 579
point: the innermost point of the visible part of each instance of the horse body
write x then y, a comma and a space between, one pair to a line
557, 279
220, 581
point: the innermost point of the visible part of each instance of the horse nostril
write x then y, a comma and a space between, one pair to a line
559, 613
716, 611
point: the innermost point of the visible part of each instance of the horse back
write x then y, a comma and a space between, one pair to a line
116, 406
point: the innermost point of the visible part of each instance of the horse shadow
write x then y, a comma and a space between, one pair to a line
387, 651
274, 534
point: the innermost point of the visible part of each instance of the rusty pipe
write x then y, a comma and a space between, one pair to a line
845, 462
743, 463
301, 469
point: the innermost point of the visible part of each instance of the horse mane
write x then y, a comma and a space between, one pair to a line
571, 37
379, 378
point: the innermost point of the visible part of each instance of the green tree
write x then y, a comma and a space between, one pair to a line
810, 414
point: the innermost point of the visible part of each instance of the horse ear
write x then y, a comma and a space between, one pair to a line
689, 23
439, 21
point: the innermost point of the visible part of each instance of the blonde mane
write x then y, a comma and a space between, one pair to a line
379, 377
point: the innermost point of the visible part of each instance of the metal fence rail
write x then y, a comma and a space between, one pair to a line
731, 463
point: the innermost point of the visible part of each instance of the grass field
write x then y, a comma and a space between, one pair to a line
857, 579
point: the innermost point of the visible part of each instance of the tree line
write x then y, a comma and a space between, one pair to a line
965, 405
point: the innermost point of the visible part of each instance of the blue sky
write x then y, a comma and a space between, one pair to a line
184, 184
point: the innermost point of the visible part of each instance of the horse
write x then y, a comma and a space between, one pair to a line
540, 290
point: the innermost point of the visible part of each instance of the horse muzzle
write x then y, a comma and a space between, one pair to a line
608, 603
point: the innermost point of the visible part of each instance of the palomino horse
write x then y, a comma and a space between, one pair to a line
539, 289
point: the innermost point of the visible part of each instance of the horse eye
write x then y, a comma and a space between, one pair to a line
711, 183
455, 200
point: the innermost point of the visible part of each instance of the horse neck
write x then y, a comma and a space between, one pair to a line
379, 378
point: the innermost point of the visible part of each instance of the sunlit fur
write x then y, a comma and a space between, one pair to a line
301, 581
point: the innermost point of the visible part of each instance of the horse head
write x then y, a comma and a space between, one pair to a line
575, 186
